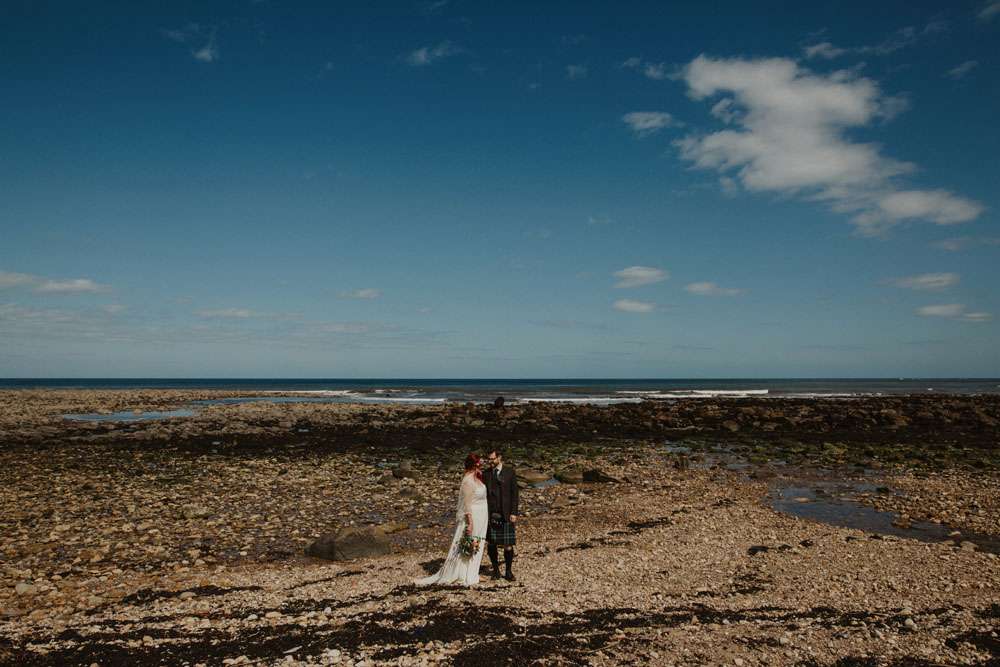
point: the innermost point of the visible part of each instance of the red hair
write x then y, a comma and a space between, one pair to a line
472, 463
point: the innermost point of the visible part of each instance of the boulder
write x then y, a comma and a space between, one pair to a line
527, 476
391, 527
350, 543
404, 469
570, 476
598, 475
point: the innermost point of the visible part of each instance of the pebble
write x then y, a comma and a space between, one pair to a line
25, 589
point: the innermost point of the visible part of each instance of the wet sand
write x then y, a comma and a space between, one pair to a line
181, 542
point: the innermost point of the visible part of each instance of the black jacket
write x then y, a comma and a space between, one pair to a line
501, 495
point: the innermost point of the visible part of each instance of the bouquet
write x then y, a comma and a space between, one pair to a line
468, 546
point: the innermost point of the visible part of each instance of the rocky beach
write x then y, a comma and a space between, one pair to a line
650, 531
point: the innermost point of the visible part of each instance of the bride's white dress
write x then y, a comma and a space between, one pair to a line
459, 569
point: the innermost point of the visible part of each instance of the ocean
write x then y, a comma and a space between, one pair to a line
582, 390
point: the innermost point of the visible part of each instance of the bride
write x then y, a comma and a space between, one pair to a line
471, 516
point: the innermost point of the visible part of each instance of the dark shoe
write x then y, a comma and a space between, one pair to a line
495, 574
509, 576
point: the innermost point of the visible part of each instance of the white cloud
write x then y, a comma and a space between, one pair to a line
365, 293
960, 71
632, 62
927, 281
645, 123
788, 136
428, 55
989, 11
228, 313
576, 72
711, 289
938, 206
113, 308
76, 285
963, 242
941, 310
10, 279
637, 276
955, 311
632, 306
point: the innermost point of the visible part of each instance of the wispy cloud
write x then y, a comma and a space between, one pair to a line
74, 286
200, 41
926, 281
364, 293
637, 276
433, 7
229, 313
711, 289
963, 242
573, 325
645, 123
900, 39
574, 72
823, 50
599, 220
788, 136
632, 306
955, 311
10, 279
428, 55
114, 308
651, 70
989, 11
209, 53
962, 70
50, 285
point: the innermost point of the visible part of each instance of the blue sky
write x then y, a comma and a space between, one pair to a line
442, 189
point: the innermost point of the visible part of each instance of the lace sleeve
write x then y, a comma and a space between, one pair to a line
466, 492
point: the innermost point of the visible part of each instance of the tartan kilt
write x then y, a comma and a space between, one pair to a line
501, 533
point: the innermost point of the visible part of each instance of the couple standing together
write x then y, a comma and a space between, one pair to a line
486, 514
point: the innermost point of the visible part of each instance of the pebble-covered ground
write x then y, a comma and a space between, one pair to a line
118, 554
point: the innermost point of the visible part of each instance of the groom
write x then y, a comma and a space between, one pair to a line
501, 498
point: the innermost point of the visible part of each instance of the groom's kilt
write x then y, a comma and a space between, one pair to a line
501, 533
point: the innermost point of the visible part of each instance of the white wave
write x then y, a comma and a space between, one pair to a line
314, 392
704, 393
584, 399
397, 399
